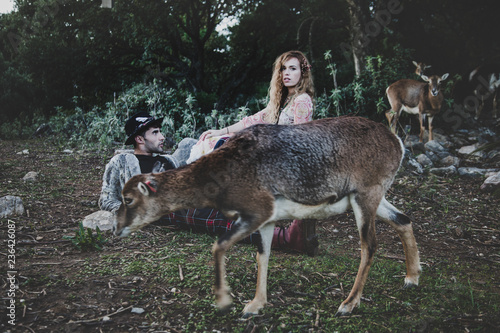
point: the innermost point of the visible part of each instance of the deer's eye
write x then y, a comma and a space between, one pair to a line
128, 201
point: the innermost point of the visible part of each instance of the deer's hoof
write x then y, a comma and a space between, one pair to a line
225, 310
410, 282
409, 285
247, 315
224, 303
342, 314
346, 308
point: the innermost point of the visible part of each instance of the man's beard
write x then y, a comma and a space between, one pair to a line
154, 149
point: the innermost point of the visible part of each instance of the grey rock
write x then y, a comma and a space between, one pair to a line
424, 160
486, 135
471, 151
458, 142
446, 171
473, 172
492, 183
493, 155
435, 146
11, 205
411, 143
449, 160
434, 157
415, 166
30, 176
102, 219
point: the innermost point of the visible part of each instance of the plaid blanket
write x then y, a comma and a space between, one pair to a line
204, 220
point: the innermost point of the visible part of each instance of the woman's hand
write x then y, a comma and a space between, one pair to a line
212, 133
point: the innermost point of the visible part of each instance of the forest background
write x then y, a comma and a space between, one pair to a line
78, 69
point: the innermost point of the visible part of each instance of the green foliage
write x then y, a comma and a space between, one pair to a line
104, 128
222, 119
85, 239
183, 117
364, 95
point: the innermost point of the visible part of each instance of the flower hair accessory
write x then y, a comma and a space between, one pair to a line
306, 67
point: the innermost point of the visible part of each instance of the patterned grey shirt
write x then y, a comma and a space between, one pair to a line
122, 167
118, 171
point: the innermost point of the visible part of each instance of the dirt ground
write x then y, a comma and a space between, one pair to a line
454, 221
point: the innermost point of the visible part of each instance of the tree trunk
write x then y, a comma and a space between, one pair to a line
359, 41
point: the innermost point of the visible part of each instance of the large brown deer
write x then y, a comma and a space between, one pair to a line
414, 97
266, 173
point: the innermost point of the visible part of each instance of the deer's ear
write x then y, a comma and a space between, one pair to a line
444, 76
425, 77
143, 189
147, 188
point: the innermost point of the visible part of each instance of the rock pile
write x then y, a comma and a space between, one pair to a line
455, 154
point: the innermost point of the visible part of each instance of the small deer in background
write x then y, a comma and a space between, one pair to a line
420, 68
267, 173
414, 97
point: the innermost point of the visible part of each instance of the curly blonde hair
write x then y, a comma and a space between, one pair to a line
278, 93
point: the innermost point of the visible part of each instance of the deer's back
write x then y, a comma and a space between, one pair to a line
312, 162
409, 92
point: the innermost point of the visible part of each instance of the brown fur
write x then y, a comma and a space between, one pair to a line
426, 97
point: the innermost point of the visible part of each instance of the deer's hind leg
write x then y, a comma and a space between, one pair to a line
392, 116
394, 112
403, 226
364, 206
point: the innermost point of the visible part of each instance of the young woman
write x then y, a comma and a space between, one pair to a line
290, 95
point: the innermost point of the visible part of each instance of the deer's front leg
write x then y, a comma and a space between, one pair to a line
260, 299
221, 289
430, 127
422, 128
239, 231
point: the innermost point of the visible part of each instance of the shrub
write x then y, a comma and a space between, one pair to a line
365, 95
85, 239
105, 127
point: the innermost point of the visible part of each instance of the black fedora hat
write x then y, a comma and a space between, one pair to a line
140, 122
